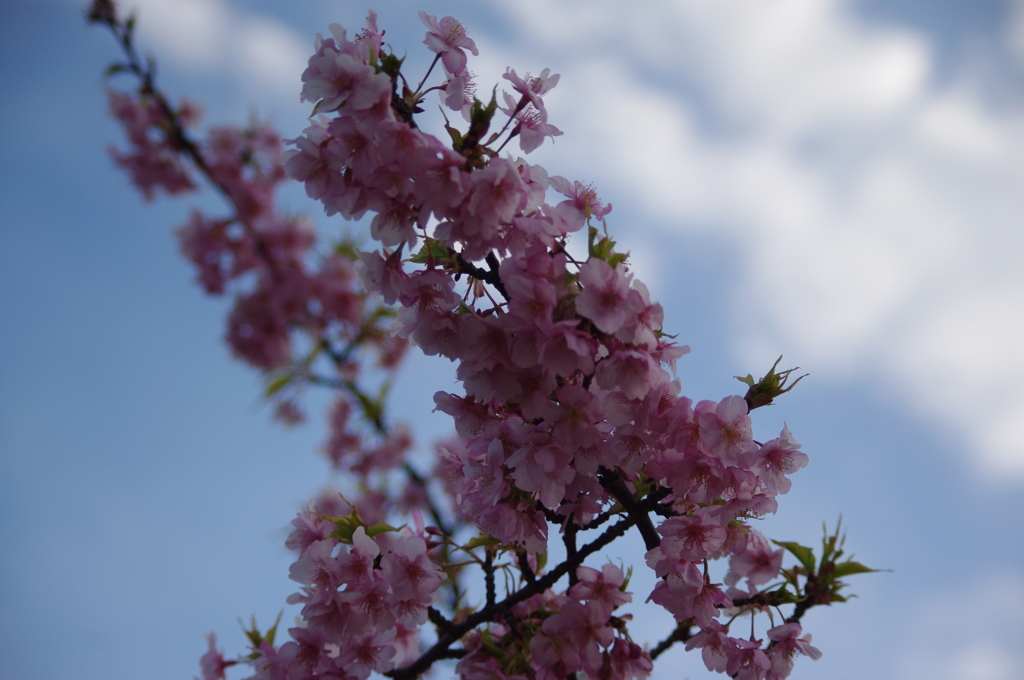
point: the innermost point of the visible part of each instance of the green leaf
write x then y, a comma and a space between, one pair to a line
278, 383
434, 250
456, 137
805, 555
832, 546
749, 380
542, 561
269, 637
379, 528
783, 596
615, 258
391, 64
115, 68
604, 249
347, 525
255, 637
850, 567
347, 248
481, 541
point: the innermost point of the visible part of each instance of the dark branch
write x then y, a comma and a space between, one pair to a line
487, 276
492, 595
680, 634
489, 613
438, 619
613, 483
524, 567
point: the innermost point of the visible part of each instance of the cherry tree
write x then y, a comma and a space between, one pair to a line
569, 423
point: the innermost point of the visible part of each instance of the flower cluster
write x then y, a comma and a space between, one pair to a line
568, 406
569, 416
553, 636
363, 601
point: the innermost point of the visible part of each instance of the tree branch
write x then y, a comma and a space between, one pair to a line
682, 633
456, 631
612, 482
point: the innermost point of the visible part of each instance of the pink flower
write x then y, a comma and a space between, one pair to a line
533, 88
458, 92
633, 372
715, 644
603, 588
786, 646
726, 431
309, 529
605, 294
363, 654
409, 571
532, 127
212, 663
337, 79
582, 203
748, 661
755, 561
778, 458
555, 652
448, 38
498, 192
691, 538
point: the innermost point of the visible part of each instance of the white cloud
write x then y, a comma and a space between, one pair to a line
213, 37
940, 643
877, 212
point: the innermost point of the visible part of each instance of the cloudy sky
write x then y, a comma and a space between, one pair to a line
830, 180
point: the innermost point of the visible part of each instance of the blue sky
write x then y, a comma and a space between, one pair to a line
833, 181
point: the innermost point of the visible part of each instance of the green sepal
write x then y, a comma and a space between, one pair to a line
642, 485
763, 391
456, 137
453, 133
256, 638
542, 561
805, 555
390, 64
479, 121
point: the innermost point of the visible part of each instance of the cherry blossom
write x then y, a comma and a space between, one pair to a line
448, 39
